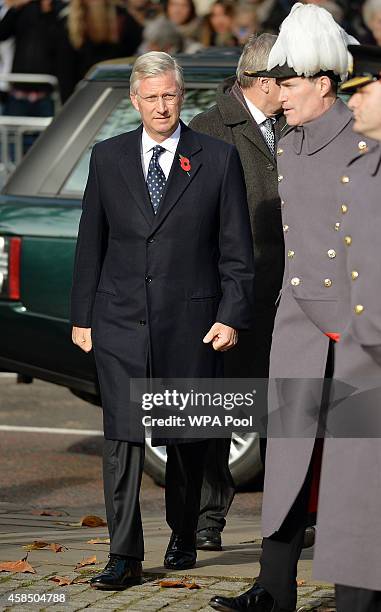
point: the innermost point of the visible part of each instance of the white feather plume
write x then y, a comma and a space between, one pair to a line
310, 40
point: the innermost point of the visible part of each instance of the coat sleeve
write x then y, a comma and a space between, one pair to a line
236, 262
8, 23
90, 249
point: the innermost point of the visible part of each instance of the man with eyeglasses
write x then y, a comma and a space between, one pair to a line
163, 281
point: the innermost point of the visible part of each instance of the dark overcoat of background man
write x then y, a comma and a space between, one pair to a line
163, 280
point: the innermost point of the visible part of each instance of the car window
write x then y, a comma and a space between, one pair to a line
124, 118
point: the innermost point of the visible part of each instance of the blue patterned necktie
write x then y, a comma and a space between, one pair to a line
156, 178
269, 135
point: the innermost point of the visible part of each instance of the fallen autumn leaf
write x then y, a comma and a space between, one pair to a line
86, 562
92, 521
62, 580
99, 541
178, 584
36, 545
22, 566
57, 547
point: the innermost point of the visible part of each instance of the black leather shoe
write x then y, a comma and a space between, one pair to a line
256, 599
181, 552
119, 573
209, 539
309, 537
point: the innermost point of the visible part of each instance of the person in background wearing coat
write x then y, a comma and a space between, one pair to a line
307, 316
163, 281
350, 495
247, 114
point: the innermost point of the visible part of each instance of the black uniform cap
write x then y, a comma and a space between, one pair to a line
366, 67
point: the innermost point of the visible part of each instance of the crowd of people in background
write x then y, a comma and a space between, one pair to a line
65, 38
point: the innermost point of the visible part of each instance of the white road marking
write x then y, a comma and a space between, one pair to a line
53, 430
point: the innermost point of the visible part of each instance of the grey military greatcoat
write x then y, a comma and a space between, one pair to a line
348, 546
307, 166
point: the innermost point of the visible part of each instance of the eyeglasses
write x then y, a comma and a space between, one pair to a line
168, 98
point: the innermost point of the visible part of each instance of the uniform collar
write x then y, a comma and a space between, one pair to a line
317, 134
170, 144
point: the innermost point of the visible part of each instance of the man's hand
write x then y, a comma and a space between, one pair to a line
81, 336
222, 337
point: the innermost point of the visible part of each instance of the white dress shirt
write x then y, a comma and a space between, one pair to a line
166, 158
258, 116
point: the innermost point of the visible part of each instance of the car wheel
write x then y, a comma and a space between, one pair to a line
245, 461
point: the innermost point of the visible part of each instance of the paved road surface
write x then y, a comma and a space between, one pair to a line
63, 471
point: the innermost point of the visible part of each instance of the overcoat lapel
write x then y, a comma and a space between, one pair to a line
179, 180
130, 165
253, 133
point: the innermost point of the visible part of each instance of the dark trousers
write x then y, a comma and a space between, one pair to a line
281, 551
123, 464
218, 489
357, 600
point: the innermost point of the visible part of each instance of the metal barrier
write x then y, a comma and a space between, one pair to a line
13, 130
34, 79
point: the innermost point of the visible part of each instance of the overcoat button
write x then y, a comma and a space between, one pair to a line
148, 279
142, 322
280, 178
344, 208
359, 308
327, 282
345, 179
348, 240
331, 253
354, 274
150, 240
285, 228
270, 167
279, 151
337, 226
295, 281
290, 254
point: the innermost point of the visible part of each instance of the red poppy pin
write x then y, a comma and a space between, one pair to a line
185, 164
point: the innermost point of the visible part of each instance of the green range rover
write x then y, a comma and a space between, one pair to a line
40, 208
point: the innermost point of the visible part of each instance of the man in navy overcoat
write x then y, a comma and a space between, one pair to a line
163, 281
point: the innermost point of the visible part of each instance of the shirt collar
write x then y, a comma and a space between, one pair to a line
257, 114
170, 144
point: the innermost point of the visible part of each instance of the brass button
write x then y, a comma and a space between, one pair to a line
331, 253
280, 178
345, 179
359, 308
285, 228
290, 254
344, 208
327, 282
282, 202
348, 240
337, 226
362, 146
295, 281
354, 274
279, 151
